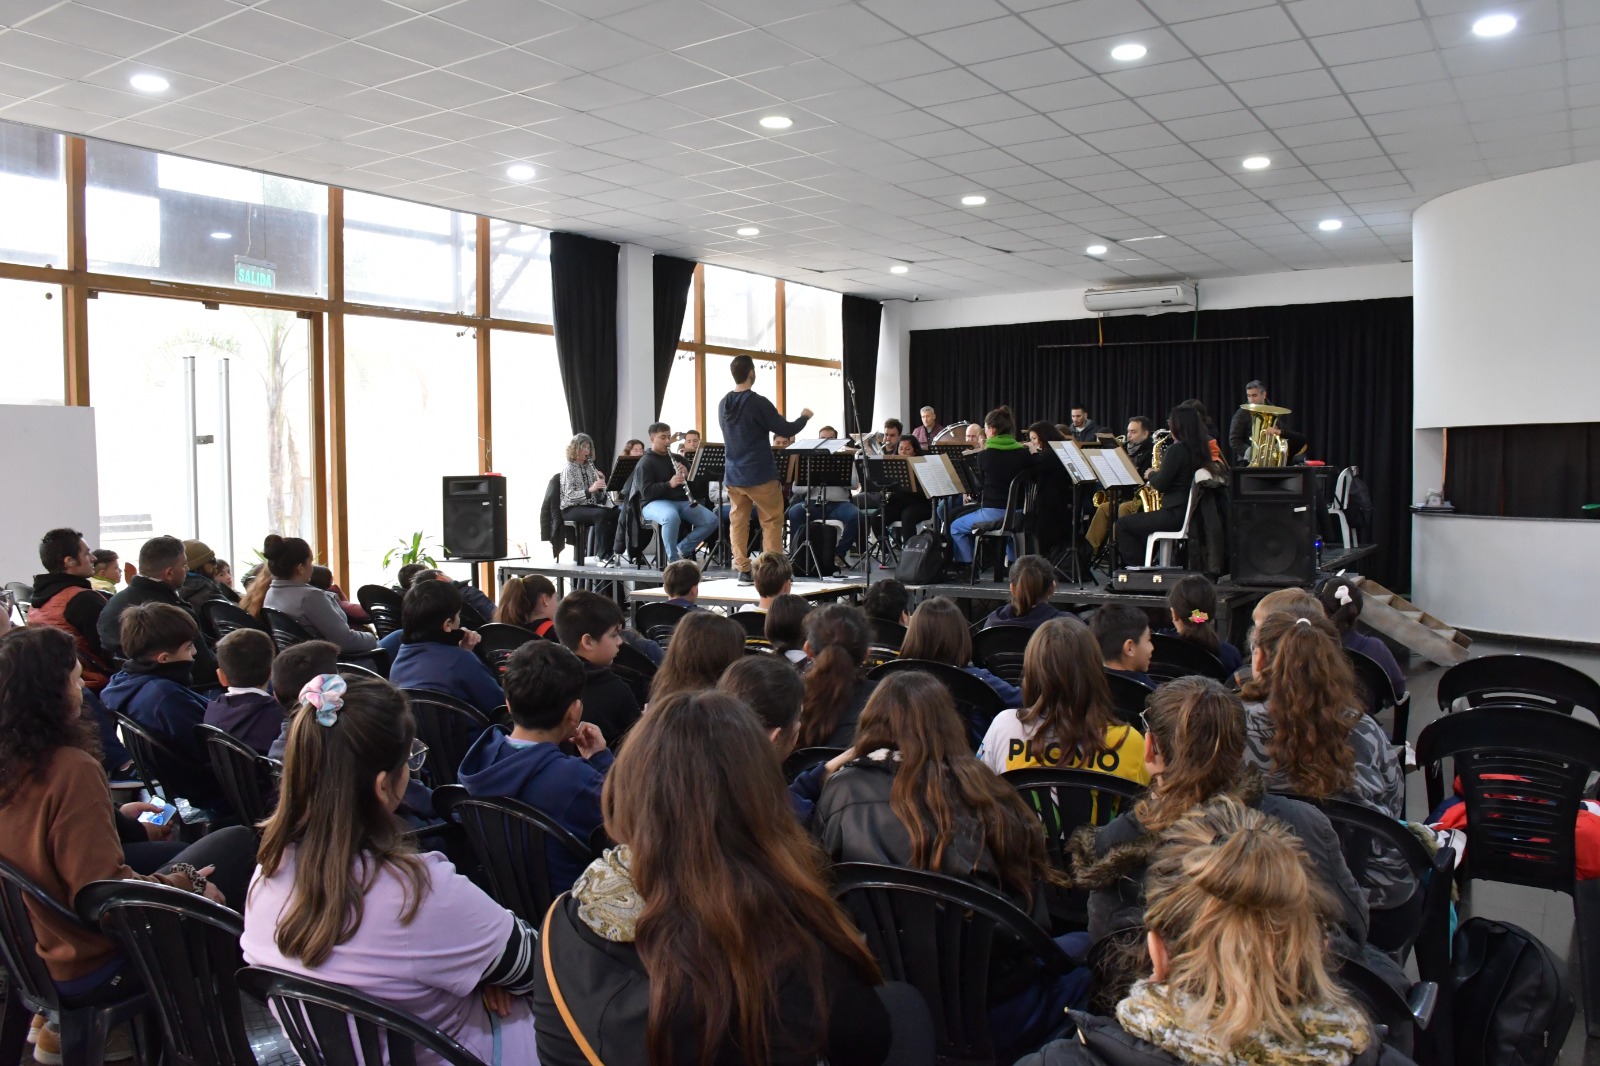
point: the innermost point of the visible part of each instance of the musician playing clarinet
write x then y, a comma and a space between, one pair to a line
663, 482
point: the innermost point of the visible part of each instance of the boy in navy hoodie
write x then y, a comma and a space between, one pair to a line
153, 689
1123, 631
435, 653
247, 710
543, 686
590, 625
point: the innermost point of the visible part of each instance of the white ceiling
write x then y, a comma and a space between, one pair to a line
641, 119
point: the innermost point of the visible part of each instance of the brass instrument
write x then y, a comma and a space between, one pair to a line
1149, 498
1266, 449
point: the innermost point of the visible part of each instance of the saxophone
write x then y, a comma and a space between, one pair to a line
1149, 498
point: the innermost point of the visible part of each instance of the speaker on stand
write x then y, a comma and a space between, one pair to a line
475, 517
1274, 526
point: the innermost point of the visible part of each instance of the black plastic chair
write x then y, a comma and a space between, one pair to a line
332, 1025
509, 837
887, 634
160, 767
1526, 679
1522, 774
636, 671
499, 641
223, 617
1378, 693
1000, 649
382, 605
286, 632
1397, 1018
357, 672
975, 701
447, 726
937, 933
657, 620
1015, 529
85, 1023
1127, 697
877, 655
245, 775
802, 759
1064, 800
754, 623
185, 949
1176, 657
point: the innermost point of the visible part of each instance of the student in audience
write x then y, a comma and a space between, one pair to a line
1066, 717
107, 571
1002, 459
224, 576
291, 670
591, 625
773, 577
355, 614
256, 582
702, 646
246, 710
153, 689
700, 857
887, 601
938, 633
681, 582
786, 628
341, 895
408, 573
544, 683
1194, 753
1032, 583
436, 653
291, 591
529, 602
584, 499
1240, 963
837, 638
915, 797
767, 685
1123, 631
63, 598
200, 583
1341, 600
477, 607
1193, 603
162, 566
662, 480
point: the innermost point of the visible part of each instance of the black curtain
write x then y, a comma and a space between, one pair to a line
583, 277
1343, 368
862, 318
1536, 471
672, 279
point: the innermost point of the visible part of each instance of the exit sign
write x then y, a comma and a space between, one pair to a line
254, 273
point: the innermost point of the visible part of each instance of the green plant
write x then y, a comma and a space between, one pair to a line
411, 551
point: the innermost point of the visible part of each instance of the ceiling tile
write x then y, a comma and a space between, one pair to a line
589, 46
942, 87
56, 58
510, 21
719, 99
744, 53
346, 18
428, 40
1161, 78
996, 39
674, 24
1098, 117
1286, 57
883, 63
1205, 101
180, 16
88, 28
359, 62
267, 35
1285, 88
586, 92
1087, 20
928, 16
1243, 29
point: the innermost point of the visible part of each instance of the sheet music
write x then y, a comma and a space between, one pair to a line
935, 475
818, 444
1109, 469
1073, 458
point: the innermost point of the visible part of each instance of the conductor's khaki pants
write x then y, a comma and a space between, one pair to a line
768, 502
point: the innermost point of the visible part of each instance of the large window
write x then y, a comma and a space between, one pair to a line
32, 196
409, 255
520, 272
531, 431
30, 356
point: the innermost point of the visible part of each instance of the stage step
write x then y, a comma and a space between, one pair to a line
1399, 619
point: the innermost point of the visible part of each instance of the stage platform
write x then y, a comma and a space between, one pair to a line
727, 592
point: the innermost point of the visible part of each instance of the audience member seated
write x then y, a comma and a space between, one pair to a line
703, 645
59, 829
354, 613
699, 856
291, 591
223, 572
1123, 631
544, 683
773, 576
292, 670
766, 685
246, 711
107, 571
1193, 603
938, 633
914, 796
1240, 968
529, 602
1066, 718
591, 625
1293, 599
837, 638
200, 584
153, 689
662, 480
162, 566
64, 598
786, 628
681, 582
584, 499
1306, 731
887, 601
1341, 599
341, 896
436, 653
1032, 584
1002, 459
478, 609
1195, 752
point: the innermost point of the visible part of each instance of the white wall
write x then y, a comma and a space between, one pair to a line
636, 375
58, 485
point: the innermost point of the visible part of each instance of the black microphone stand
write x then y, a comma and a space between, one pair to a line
857, 436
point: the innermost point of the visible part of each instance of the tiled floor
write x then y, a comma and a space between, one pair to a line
1547, 915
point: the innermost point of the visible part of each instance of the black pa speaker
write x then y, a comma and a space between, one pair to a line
475, 516
1274, 526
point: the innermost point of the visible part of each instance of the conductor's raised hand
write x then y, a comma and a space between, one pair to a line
806, 412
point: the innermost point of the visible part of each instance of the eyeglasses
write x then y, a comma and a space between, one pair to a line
1144, 723
418, 757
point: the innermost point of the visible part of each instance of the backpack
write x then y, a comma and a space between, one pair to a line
813, 550
923, 559
1510, 1002
1358, 504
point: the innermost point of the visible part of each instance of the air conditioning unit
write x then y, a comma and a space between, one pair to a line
1146, 300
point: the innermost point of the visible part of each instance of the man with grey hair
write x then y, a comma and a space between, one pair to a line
163, 564
931, 427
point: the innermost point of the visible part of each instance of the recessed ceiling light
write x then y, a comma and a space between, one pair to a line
150, 83
1330, 224
1127, 53
974, 201
1494, 25
1095, 249
520, 172
899, 268
777, 122
1257, 162
748, 231
221, 235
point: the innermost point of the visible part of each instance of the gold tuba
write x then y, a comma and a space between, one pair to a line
1149, 498
1265, 449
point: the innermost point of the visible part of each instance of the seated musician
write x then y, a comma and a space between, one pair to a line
1187, 452
1002, 459
906, 508
1140, 448
1053, 509
1243, 422
663, 485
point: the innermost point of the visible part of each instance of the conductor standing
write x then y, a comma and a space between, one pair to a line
751, 477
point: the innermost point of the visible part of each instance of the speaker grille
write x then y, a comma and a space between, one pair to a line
1273, 544
475, 517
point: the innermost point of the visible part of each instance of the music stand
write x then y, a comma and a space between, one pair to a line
621, 473
887, 474
711, 464
817, 468
1072, 564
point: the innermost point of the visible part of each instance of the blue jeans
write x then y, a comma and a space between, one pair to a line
842, 510
961, 535
671, 515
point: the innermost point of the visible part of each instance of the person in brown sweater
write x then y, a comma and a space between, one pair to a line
57, 822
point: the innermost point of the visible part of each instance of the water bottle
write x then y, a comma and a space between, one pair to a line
1317, 546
